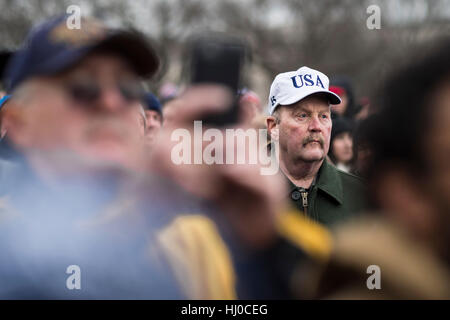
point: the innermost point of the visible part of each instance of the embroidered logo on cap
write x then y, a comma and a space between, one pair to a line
273, 100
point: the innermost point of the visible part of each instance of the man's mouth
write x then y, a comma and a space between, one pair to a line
313, 142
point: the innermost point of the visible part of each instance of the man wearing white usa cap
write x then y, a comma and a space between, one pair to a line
300, 120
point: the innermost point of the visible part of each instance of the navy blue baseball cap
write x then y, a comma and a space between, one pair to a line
53, 47
151, 102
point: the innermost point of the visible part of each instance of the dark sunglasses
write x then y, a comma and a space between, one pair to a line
88, 92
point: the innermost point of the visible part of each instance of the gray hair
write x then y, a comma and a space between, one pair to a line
144, 117
276, 115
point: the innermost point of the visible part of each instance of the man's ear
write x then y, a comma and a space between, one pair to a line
272, 127
13, 123
404, 199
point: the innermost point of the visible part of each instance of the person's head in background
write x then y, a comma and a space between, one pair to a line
361, 146
168, 91
78, 90
250, 107
341, 144
341, 85
409, 139
153, 117
363, 109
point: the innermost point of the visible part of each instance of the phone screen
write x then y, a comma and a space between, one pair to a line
218, 61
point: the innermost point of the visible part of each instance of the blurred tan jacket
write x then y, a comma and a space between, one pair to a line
409, 270
201, 260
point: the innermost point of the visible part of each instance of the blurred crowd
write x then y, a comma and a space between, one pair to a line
87, 179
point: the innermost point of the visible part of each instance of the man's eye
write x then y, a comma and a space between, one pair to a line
302, 115
324, 116
84, 91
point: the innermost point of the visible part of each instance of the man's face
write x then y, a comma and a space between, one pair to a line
305, 129
154, 121
90, 109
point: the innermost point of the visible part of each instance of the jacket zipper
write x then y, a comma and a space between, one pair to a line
305, 201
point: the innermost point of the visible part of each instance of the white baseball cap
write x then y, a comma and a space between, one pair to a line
293, 86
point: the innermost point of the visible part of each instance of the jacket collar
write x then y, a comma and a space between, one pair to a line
328, 181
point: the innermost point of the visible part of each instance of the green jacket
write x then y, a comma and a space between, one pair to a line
334, 196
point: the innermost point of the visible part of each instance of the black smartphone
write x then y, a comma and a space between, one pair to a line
219, 60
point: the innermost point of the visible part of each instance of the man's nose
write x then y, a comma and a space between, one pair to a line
154, 123
314, 124
111, 100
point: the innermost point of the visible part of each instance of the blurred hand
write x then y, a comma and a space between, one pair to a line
249, 200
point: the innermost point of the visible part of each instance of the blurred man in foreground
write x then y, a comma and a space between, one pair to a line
72, 119
408, 237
